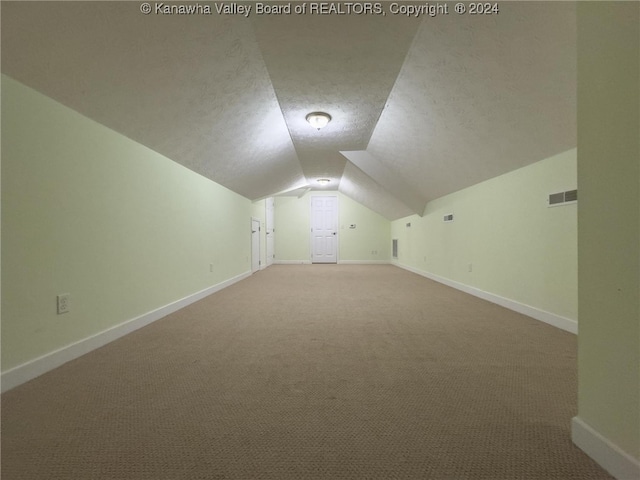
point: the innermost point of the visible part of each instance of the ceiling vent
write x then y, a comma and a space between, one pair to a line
563, 198
448, 217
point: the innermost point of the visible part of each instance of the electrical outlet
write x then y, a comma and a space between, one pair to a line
211, 267
63, 303
471, 267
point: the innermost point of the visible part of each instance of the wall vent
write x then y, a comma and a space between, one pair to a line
563, 198
448, 217
408, 225
394, 248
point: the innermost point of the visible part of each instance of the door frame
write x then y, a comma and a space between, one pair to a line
254, 219
269, 235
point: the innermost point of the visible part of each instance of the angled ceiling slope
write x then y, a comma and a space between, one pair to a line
193, 88
479, 96
387, 179
442, 102
343, 65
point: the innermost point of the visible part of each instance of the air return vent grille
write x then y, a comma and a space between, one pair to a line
563, 198
448, 217
571, 196
394, 247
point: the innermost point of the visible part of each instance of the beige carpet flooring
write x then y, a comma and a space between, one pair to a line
310, 372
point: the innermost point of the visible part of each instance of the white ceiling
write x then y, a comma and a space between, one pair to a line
421, 107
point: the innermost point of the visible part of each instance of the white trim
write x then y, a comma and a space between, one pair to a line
363, 262
269, 237
608, 455
291, 262
558, 321
563, 204
38, 366
256, 219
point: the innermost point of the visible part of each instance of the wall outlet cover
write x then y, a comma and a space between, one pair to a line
63, 303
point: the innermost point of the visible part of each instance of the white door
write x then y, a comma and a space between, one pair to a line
324, 229
255, 245
269, 218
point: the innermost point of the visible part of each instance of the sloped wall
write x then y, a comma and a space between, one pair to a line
504, 239
88, 212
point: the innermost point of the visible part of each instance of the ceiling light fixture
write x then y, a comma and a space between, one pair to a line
318, 119
323, 181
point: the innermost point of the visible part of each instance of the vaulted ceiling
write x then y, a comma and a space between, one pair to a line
421, 106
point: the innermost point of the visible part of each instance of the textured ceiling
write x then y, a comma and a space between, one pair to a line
479, 96
343, 65
421, 107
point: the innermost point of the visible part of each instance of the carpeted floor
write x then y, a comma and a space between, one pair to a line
310, 372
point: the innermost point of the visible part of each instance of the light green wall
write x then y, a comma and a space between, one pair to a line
517, 246
609, 220
89, 212
372, 233
292, 230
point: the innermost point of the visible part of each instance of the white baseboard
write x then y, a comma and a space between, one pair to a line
292, 262
36, 367
608, 455
558, 321
340, 262
363, 262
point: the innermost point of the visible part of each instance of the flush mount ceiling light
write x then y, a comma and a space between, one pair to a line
318, 119
323, 181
